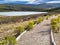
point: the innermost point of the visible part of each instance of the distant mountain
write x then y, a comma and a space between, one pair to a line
36, 3
49, 5
53, 10
17, 6
43, 5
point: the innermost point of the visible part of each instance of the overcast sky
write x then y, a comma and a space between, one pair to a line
31, 1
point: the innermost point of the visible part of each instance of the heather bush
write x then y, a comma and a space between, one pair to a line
35, 21
39, 20
54, 25
8, 40
30, 25
47, 17
20, 29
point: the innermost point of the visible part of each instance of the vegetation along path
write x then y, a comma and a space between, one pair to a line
39, 35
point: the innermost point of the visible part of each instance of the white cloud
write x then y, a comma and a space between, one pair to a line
35, 1
28, 1
53, 2
31, 1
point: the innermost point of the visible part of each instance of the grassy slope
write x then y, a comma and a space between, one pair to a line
7, 7
20, 8
53, 10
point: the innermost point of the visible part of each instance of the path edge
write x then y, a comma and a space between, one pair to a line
52, 38
21, 35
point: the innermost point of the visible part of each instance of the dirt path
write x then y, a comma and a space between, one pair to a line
57, 38
39, 35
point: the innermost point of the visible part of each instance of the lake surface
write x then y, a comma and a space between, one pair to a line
20, 13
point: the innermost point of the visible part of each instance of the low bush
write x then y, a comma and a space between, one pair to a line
47, 17
30, 25
39, 20
3, 42
54, 19
35, 22
20, 29
8, 40
54, 25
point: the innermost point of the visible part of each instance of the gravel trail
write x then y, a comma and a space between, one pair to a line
39, 35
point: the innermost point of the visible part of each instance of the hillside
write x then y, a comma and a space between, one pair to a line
54, 10
29, 7
8, 7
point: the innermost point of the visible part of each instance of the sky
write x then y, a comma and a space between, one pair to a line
30, 1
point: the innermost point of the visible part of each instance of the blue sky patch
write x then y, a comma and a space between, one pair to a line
30, 1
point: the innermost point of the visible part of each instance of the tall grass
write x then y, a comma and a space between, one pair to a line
54, 24
39, 20
30, 25
8, 40
20, 29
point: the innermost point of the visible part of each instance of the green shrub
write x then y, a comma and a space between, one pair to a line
55, 19
47, 17
39, 20
2, 42
54, 25
35, 21
8, 40
20, 29
54, 28
11, 40
30, 25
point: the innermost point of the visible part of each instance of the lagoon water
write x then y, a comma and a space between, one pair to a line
19, 13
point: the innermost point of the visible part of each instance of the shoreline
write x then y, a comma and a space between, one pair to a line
21, 13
